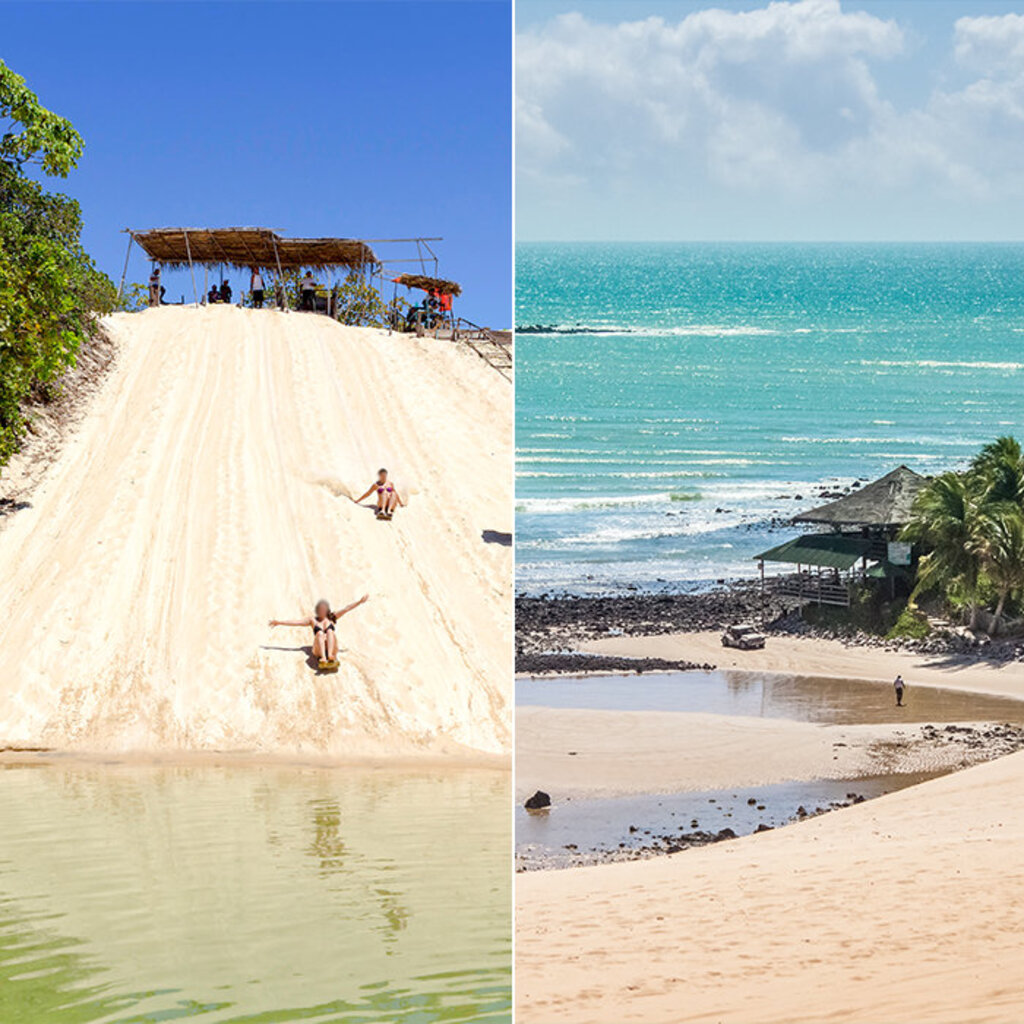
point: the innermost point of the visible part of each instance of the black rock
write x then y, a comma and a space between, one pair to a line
538, 801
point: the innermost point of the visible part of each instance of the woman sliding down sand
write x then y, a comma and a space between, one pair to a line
325, 639
387, 495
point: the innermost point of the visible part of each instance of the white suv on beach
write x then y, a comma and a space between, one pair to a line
745, 638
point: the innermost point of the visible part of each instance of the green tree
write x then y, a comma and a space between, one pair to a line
359, 304
1002, 548
948, 521
33, 133
997, 471
50, 292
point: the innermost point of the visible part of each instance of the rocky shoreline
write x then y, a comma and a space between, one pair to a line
966, 744
959, 642
550, 628
543, 663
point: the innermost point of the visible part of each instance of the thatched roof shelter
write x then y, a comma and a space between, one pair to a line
429, 284
251, 247
325, 252
885, 502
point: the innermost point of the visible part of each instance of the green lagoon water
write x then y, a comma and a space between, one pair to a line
680, 400
257, 893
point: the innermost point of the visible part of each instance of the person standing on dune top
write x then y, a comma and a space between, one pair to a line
307, 289
256, 287
899, 687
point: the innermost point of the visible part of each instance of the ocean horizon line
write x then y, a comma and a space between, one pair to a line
950, 242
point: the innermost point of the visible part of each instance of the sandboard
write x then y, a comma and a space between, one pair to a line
327, 666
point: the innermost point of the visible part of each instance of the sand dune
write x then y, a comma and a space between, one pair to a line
206, 491
906, 909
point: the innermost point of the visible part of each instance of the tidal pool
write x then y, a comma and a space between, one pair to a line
587, 830
253, 893
765, 695
614, 828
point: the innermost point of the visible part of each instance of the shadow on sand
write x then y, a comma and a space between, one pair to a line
497, 537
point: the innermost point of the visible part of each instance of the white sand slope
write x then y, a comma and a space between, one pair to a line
205, 493
908, 908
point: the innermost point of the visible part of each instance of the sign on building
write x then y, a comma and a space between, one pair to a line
899, 552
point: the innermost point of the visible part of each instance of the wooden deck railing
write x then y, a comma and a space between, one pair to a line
815, 589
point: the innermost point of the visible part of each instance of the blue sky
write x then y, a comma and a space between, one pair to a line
800, 119
362, 119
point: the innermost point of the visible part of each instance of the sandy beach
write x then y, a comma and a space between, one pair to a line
903, 908
205, 490
824, 659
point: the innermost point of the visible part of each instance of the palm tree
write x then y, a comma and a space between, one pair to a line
999, 469
1003, 552
947, 520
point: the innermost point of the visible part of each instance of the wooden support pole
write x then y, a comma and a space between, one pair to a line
280, 272
191, 268
124, 273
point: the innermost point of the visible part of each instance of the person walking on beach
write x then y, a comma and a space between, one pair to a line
325, 637
899, 686
387, 495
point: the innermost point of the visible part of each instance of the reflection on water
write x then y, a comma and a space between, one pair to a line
257, 893
801, 698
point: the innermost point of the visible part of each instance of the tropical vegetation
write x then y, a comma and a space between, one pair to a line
970, 525
50, 291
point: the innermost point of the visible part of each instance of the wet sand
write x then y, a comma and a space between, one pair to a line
578, 753
604, 736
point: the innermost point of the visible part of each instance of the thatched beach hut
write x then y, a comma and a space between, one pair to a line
859, 541
438, 289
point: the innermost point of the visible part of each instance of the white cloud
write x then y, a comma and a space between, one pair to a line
782, 101
990, 44
749, 92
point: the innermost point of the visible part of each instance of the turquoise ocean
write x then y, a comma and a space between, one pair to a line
677, 403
